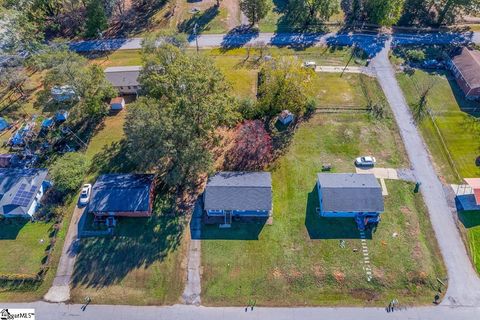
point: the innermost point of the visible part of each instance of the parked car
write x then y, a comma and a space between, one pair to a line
365, 161
432, 64
310, 64
85, 195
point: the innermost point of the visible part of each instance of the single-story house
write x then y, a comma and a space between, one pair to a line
123, 195
117, 103
63, 93
238, 194
124, 79
465, 66
285, 117
21, 191
350, 195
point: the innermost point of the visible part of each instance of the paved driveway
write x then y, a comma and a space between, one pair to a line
463, 282
60, 290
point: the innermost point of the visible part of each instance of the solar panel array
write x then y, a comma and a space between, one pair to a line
22, 197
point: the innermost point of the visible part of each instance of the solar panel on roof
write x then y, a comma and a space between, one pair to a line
22, 197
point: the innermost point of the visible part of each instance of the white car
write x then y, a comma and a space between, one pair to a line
365, 161
85, 194
310, 64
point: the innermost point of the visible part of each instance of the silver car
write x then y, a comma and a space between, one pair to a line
365, 161
85, 194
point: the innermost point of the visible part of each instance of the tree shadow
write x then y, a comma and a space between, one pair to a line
371, 45
297, 40
10, 228
137, 243
329, 228
468, 106
200, 20
112, 159
238, 37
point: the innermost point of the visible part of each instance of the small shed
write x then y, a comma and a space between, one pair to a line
117, 103
61, 116
285, 117
3, 124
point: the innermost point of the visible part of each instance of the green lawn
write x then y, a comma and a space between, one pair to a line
21, 245
457, 129
143, 264
298, 260
471, 222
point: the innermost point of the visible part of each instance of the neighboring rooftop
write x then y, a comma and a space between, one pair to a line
468, 63
350, 192
121, 193
18, 188
239, 191
123, 76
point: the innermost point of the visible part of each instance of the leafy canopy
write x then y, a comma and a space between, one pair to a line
67, 172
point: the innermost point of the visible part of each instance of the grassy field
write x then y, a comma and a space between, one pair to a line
470, 220
298, 260
21, 245
454, 117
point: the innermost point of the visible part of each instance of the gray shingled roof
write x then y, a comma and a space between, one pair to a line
121, 193
123, 76
350, 192
10, 183
239, 191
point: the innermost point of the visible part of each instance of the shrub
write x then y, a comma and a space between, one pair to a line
67, 173
415, 55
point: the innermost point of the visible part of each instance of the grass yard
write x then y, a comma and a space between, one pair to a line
298, 260
454, 117
470, 220
143, 264
21, 246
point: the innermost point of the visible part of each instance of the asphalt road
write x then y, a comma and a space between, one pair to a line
371, 43
47, 311
463, 282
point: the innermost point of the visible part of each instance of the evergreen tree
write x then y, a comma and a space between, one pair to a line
96, 20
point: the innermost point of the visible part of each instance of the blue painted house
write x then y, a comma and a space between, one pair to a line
238, 194
350, 195
21, 191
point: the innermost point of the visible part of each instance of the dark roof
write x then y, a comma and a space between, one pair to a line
123, 76
121, 193
239, 191
468, 64
350, 192
18, 188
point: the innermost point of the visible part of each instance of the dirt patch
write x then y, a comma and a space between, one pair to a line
339, 276
406, 211
233, 9
277, 274
364, 294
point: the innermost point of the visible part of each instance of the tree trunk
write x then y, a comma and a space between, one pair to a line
448, 6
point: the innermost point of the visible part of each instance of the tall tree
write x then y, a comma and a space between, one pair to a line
96, 19
449, 9
173, 127
285, 84
68, 171
384, 12
255, 10
18, 32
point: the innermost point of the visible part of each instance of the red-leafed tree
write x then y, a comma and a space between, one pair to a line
252, 149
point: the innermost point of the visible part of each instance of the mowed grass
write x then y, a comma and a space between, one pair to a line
298, 260
142, 264
22, 246
454, 117
471, 224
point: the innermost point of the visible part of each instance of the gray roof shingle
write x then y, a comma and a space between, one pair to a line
350, 192
11, 181
123, 76
239, 191
121, 193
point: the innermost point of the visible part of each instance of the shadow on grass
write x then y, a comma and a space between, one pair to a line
240, 230
329, 228
138, 243
470, 107
200, 20
112, 159
10, 228
469, 219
